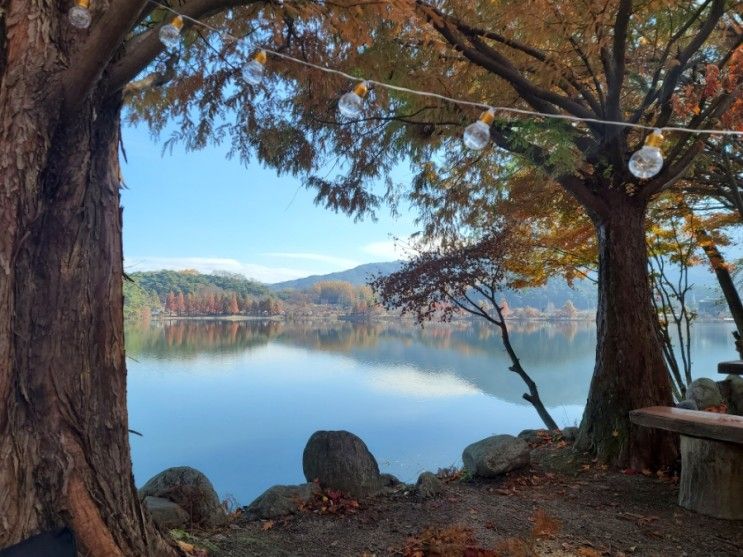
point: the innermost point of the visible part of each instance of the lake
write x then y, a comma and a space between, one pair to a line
238, 400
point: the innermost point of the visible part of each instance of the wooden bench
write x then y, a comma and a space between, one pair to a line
711, 457
734, 367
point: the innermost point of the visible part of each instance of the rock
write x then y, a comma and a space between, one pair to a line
705, 393
165, 513
281, 500
340, 460
192, 490
532, 435
735, 394
388, 480
562, 461
570, 433
428, 485
495, 455
687, 405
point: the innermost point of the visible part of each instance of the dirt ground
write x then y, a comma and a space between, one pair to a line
582, 509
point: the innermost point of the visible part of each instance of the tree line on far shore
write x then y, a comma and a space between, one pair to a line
188, 293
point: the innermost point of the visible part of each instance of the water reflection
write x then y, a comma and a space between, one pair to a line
239, 399
559, 355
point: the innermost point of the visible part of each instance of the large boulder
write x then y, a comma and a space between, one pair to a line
281, 500
428, 485
533, 435
165, 513
192, 490
340, 460
496, 455
704, 392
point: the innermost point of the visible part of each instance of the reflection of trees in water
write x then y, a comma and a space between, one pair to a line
185, 339
188, 338
334, 336
559, 354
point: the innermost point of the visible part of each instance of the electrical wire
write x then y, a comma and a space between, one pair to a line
453, 100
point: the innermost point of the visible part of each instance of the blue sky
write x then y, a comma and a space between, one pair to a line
201, 211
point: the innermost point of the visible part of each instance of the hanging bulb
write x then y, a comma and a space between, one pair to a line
253, 70
476, 136
170, 34
351, 105
79, 14
648, 161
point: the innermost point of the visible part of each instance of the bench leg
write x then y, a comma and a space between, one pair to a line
711, 477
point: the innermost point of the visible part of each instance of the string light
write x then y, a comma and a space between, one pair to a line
644, 164
254, 70
477, 135
648, 161
170, 34
351, 105
79, 14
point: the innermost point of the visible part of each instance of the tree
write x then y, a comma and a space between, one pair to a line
618, 61
61, 96
464, 278
568, 310
233, 308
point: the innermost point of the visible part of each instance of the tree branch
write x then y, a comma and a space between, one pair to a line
89, 62
490, 59
615, 75
671, 80
140, 52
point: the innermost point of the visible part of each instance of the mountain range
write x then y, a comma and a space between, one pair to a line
555, 292
357, 276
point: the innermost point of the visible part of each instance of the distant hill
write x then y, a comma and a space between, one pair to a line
190, 282
357, 276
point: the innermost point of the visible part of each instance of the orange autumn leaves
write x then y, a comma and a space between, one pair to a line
692, 97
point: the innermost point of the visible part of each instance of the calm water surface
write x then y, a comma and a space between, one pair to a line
238, 401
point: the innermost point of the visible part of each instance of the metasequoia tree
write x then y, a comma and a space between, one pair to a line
63, 417
619, 61
468, 278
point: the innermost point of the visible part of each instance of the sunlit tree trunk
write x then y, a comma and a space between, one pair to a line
630, 372
64, 448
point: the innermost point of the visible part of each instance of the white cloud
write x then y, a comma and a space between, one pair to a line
340, 262
261, 273
389, 250
424, 385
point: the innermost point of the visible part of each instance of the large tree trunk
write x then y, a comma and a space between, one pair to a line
630, 372
64, 448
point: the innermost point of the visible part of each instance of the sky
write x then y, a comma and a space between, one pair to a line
201, 211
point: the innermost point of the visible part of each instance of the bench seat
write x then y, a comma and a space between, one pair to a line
704, 425
733, 367
711, 480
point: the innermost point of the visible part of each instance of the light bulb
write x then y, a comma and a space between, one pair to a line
351, 105
170, 34
253, 70
648, 161
79, 14
476, 136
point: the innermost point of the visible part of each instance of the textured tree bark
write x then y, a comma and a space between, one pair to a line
630, 372
64, 448
711, 477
